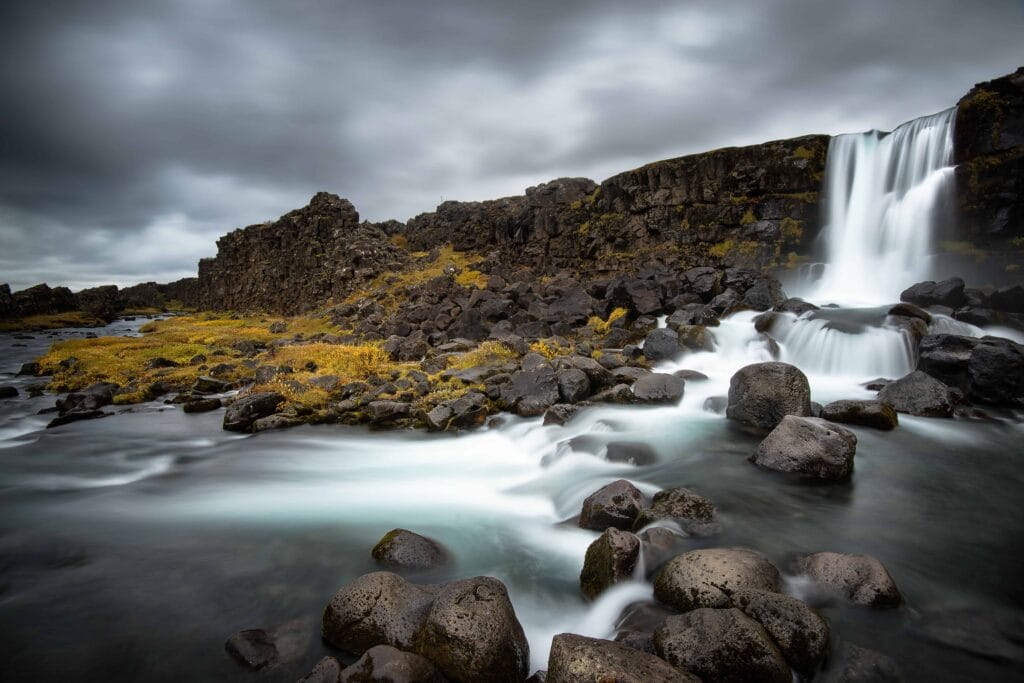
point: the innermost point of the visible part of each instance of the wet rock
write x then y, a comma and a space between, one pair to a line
471, 633
202, 405
465, 412
8, 392
560, 414
403, 549
609, 560
573, 385
918, 394
763, 393
907, 310
691, 375
853, 664
327, 670
76, 416
808, 446
537, 390
252, 648
279, 327
620, 394
617, 505
386, 664
241, 414
661, 344
946, 293
659, 388
380, 608
799, 632
861, 579
988, 370
708, 577
721, 645
31, 368
599, 376
865, 413
578, 659
272, 422
89, 399
635, 453
659, 545
385, 412
210, 385
628, 374
638, 640
1008, 299
679, 504
795, 305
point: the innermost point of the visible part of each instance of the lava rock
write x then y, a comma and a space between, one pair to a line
861, 579
763, 393
210, 385
946, 293
610, 559
76, 416
386, 664
537, 390
560, 413
617, 505
89, 399
907, 310
380, 608
327, 670
988, 370
573, 385
8, 392
853, 664
659, 388
875, 414
578, 659
708, 577
661, 344
403, 549
679, 504
202, 405
808, 446
799, 632
241, 414
918, 394
721, 645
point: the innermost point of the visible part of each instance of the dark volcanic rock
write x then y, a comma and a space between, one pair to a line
808, 446
853, 664
798, 631
918, 394
89, 399
531, 392
661, 344
402, 549
386, 664
617, 504
861, 579
762, 394
609, 560
679, 504
380, 608
656, 387
946, 293
240, 415
577, 659
202, 405
76, 416
708, 577
8, 392
987, 370
721, 645
865, 413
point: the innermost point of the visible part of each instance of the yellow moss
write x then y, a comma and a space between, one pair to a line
583, 229
51, 321
1017, 242
594, 196
488, 353
603, 327
802, 152
792, 229
748, 217
576, 205
549, 349
389, 288
746, 249
471, 278
347, 362
400, 241
721, 249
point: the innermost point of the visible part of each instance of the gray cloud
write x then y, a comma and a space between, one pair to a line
134, 134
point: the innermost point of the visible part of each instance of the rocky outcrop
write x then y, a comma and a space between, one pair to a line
987, 370
578, 659
105, 302
297, 262
38, 300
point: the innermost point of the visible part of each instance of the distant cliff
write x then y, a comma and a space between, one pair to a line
105, 302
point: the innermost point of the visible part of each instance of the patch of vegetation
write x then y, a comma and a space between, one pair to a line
802, 152
748, 217
964, 248
389, 289
549, 349
51, 321
400, 241
792, 229
603, 327
488, 353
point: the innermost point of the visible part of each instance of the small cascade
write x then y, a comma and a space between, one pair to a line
884, 193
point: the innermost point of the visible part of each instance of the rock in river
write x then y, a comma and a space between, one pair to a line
763, 393
861, 579
808, 446
402, 549
609, 560
919, 394
708, 577
384, 663
617, 504
877, 414
242, 413
577, 659
380, 608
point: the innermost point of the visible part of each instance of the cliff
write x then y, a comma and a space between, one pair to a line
105, 302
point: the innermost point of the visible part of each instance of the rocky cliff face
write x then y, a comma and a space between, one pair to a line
298, 262
989, 151
749, 206
106, 301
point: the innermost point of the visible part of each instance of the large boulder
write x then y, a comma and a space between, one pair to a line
946, 293
93, 397
573, 384
918, 394
661, 344
577, 659
240, 415
877, 414
861, 579
386, 664
471, 633
659, 388
721, 645
987, 370
617, 505
708, 577
403, 549
609, 560
763, 393
808, 446
798, 631
379, 608
327, 670
679, 504
531, 392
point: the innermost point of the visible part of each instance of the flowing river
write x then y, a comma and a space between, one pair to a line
131, 547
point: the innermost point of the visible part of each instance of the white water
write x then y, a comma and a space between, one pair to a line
883, 192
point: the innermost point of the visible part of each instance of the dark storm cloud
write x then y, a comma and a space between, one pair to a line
135, 133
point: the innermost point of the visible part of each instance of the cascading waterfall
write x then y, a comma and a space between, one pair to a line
882, 193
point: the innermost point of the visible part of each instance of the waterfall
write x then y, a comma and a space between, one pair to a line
882, 193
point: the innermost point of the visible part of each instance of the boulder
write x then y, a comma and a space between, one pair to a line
573, 385
386, 412
661, 344
808, 446
907, 310
93, 397
578, 659
471, 633
679, 504
327, 670
272, 422
240, 415
201, 405
210, 385
708, 577
402, 549
599, 376
861, 579
620, 394
465, 412
875, 414
380, 608
536, 389
386, 664
254, 649
721, 645
799, 632
918, 394
658, 545
988, 370
946, 293
610, 559
637, 453
560, 414
8, 392
659, 388
617, 504
762, 394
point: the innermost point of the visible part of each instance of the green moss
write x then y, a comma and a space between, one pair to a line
963, 248
792, 229
802, 152
576, 205
583, 229
748, 217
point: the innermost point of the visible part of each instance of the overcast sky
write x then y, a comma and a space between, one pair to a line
134, 133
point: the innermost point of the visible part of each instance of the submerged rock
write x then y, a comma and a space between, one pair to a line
617, 504
659, 388
404, 549
386, 664
680, 504
8, 392
861, 579
808, 446
918, 394
252, 648
578, 659
763, 393
201, 405
708, 577
853, 664
610, 559
877, 414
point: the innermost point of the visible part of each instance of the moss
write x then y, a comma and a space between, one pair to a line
802, 152
594, 196
488, 353
51, 321
963, 248
792, 229
400, 241
389, 288
603, 327
748, 217
735, 250
576, 205
549, 349
583, 229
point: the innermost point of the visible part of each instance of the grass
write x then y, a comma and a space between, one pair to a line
51, 321
389, 289
604, 326
549, 350
488, 353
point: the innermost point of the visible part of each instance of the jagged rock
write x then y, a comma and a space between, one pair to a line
380, 608
578, 659
617, 504
403, 549
918, 394
708, 577
599, 376
31, 368
721, 645
679, 504
946, 293
327, 670
560, 413
875, 414
609, 560
241, 414
861, 579
763, 393
386, 664
573, 385
987, 370
808, 446
202, 405
92, 398
628, 374
385, 412
799, 632
656, 387
661, 344
853, 664
471, 633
